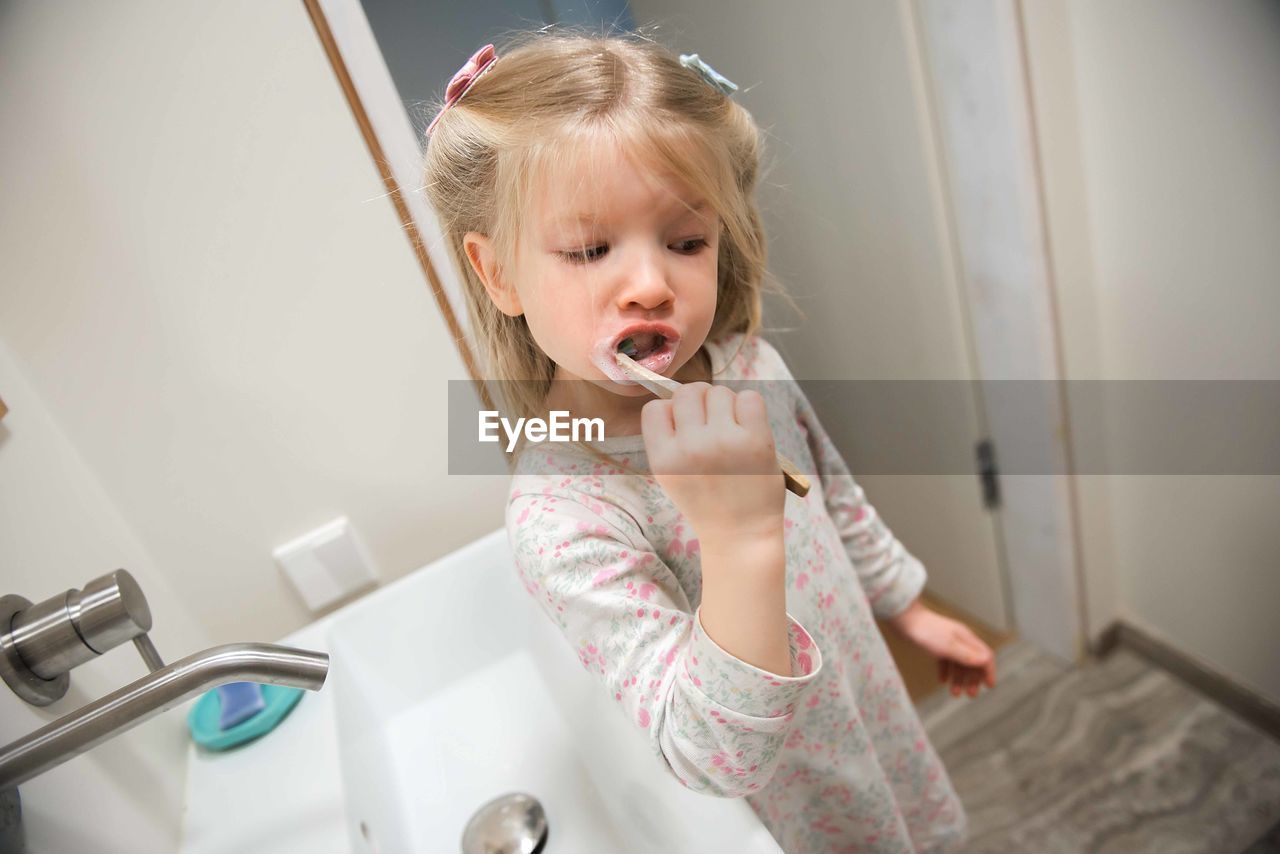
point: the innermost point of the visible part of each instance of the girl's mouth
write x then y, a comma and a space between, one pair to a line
654, 350
642, 345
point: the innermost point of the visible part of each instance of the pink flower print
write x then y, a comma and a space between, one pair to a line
806, 663
524, 514
643, 717
814, 700
802, 580
859, 513
646, 590
603, 576
692, 547
788, 524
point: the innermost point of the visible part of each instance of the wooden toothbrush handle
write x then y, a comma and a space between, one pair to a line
665, 388
797, 482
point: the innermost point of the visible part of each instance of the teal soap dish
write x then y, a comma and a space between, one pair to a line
204, 715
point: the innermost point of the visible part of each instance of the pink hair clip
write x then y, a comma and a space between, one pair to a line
468, 74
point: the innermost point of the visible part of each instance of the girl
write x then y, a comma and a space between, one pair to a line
595, 189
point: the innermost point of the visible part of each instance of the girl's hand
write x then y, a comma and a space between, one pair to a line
962, 656
712, 450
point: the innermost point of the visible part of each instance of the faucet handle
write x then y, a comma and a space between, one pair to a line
39, 644
109, 611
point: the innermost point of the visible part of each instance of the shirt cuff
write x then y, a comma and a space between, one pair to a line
890, 601
745, 688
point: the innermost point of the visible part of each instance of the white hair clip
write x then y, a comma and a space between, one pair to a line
724, 84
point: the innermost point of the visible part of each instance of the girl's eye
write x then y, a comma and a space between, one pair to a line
694, 244
584, 256
691, 247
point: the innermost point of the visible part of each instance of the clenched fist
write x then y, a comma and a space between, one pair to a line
712, 450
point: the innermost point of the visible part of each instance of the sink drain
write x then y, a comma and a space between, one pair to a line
510, 824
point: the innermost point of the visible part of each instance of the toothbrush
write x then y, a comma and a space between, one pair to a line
664, 388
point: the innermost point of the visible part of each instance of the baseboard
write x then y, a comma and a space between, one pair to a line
1245, 702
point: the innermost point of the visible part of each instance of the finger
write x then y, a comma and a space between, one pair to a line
750, 409
944, 667
689, 405
657, 421
991, 674
972, 650
971, 681
720, 406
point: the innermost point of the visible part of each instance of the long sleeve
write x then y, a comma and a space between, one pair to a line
890, 575
716, 721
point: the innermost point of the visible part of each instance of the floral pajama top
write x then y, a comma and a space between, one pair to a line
831, 756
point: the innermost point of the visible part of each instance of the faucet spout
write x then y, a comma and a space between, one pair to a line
94, 723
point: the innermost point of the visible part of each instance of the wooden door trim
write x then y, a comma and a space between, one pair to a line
319, 11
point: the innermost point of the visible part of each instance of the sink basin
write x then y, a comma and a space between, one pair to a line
447, 689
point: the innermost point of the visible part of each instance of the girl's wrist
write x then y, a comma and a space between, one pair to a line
736, 538
903, 620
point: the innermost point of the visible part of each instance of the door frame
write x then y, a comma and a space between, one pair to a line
975, 64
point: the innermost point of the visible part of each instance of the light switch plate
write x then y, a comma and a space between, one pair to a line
327, 564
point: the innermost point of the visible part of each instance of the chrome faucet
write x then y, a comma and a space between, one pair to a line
40, 643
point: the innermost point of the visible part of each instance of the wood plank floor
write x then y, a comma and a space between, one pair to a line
1113, 755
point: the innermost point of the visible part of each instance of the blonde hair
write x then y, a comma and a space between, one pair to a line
550, 93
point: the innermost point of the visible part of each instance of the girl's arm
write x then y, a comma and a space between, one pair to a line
890, 575
717, 720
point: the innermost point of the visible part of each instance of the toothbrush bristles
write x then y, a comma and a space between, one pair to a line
628, 347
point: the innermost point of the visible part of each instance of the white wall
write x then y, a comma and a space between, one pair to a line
206, 284
214, 336
1160, 131
58, 530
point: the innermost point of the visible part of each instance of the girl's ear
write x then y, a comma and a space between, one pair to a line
484, 260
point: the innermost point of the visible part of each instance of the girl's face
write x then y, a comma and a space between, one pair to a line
612, 253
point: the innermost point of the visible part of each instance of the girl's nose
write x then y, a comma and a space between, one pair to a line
646, 282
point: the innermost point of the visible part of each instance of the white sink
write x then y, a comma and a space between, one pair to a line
446, 689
